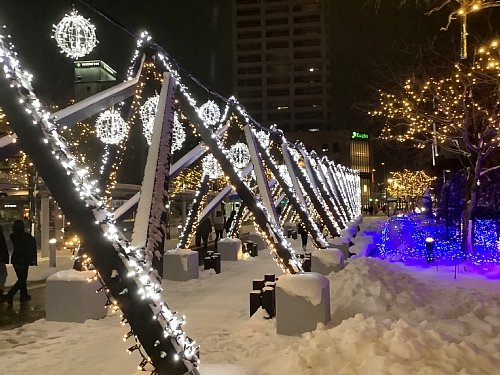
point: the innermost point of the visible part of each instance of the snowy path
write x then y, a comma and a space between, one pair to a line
386, 320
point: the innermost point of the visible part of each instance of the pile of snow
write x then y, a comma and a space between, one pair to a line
309, 286
386, 320
329, 257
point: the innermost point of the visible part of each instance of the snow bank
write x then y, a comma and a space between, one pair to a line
72, 275
307, 285
229, 240
386, 320
329, 257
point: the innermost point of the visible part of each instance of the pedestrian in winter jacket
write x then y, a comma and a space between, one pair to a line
4, 259
23, 257
219, 224
203, 231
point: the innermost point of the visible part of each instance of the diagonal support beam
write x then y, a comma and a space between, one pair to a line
150, 222
96, 103
177, 168
260, 175
273, 234
110, 254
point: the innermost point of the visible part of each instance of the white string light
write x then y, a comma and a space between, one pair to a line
178, 135
263, 138
75, 35
209, 113
148, 113
110, 127
211, 167
239, 155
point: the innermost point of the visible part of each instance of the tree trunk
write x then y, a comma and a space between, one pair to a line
467, 245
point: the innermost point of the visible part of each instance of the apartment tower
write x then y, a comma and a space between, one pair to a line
282, 63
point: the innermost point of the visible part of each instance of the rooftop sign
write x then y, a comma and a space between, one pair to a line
357, 135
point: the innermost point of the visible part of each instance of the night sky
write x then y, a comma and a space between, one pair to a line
368, 45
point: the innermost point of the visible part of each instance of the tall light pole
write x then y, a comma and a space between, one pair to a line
385, 189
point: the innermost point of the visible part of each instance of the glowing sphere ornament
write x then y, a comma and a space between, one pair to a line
148, 114
211, 167
178, 136
111, 129
239, 155
75, 35
263, 138
209, 113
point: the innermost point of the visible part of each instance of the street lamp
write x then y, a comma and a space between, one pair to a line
385, 188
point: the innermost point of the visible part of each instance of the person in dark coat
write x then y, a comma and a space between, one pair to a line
23, 257
4, 259
301, 228
229, 221
203, 231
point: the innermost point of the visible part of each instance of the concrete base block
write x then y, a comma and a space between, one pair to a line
341, 243
230, 249
69, 297
302, 301
180, 265
326, 261
255, 238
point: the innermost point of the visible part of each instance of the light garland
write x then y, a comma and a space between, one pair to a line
264, 138
75, 35
111, 129
210, 113
148, 113
239, 155
408, 184
178, 135
139, 266
211, 167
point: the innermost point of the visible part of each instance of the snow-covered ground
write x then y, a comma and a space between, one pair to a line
387, 319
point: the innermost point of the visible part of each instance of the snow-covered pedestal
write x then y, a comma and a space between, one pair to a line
70, 297
341, 243
180, 265
230, 249
256, 238
326, 261
302, 301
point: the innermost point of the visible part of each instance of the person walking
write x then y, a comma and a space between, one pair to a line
301, 228
203, 231
23, 257
229, 221
219, 224
4, 260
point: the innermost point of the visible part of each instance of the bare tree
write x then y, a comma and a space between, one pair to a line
460, 112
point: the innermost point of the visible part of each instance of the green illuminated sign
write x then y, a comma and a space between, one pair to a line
356, 135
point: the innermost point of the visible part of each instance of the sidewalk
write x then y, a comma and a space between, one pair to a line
43, 270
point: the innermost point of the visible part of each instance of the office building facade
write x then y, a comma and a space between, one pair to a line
282, 63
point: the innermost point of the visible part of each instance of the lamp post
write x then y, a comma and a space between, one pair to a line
385, 190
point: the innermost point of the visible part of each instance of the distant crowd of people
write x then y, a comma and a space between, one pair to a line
220, 225
23, 256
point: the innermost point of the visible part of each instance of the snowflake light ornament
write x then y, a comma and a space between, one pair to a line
263, 138
148, 114
239, 155
178, 136
111, 128
211, 167
209, 113
75, 35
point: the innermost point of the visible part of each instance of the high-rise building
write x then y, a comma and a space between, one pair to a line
282, 63
92, 77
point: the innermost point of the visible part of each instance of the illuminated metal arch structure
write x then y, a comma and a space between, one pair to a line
321, 194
